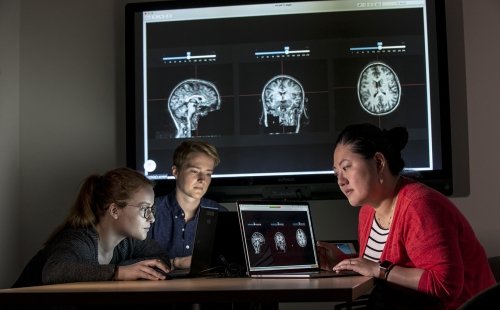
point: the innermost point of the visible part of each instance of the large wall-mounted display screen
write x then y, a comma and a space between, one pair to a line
271, 84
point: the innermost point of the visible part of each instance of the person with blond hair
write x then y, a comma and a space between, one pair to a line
104, 235
194, 162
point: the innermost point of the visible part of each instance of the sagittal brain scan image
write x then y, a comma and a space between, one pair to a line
257, 241
189, 101
283, 97
379, 90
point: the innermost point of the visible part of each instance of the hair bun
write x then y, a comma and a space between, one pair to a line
397, 137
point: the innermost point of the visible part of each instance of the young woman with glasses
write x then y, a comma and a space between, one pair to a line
104, 235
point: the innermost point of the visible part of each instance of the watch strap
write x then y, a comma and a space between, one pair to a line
384, 269
387, 271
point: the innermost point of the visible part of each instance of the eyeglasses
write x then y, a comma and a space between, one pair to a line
147, 212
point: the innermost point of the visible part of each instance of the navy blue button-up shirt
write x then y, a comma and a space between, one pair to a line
169, 229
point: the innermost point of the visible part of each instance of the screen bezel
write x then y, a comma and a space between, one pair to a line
298, 186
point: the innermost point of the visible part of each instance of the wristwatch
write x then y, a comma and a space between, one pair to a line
384, 268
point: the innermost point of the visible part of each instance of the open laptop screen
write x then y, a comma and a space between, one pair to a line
277, 236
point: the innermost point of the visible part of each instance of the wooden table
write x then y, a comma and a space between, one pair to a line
194, 290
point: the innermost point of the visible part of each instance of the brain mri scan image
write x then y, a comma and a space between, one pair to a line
257, 241
283, 97
301, 238
280, 242
189, 101
379, 90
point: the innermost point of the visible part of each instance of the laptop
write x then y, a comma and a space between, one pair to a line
278, 240
202, 248
228, 257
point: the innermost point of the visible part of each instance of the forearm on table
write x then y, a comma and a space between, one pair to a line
406, 277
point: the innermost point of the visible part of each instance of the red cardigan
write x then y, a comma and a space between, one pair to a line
430, 233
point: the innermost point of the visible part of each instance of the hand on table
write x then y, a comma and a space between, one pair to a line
149, 269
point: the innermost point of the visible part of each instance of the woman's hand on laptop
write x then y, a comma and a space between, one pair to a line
360, 265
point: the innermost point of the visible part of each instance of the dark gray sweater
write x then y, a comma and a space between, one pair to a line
72, 257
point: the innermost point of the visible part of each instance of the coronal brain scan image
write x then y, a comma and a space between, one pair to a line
379, 90
257, 241
301, 238
283, 97
280, 242
189, 101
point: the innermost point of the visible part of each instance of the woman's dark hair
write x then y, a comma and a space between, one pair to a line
367, 139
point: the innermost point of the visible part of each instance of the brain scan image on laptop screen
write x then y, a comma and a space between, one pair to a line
278, 238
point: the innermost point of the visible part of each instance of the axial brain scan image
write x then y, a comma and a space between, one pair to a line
301, 238
379, 90
189, 101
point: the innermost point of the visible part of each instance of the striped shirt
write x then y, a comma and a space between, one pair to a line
376, 242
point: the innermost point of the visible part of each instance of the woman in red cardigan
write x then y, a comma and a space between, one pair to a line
413, 239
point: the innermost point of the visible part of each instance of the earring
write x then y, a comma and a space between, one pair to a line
381, 180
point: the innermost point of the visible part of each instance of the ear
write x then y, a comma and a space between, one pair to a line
175, 171
114, 210
379, 162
